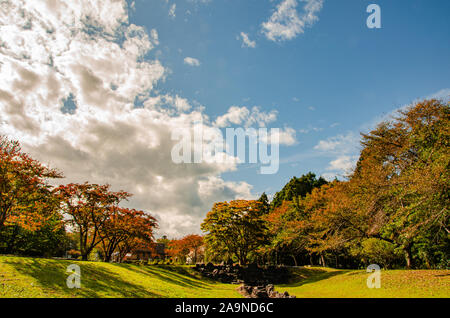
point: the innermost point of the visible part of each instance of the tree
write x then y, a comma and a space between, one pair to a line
235, 228
49, 240
178, 250
402, 177
297, 187
286, 233
125, 225
88, 207
25, 194
398, 192
181, 248
265, 203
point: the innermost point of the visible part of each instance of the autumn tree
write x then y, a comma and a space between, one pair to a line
50, 239
235, 228
304, 228
123, 227
25, 193
284, 233
399, 190
88, 207
297, 187
402, 177
181, 248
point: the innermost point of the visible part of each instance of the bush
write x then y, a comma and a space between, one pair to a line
74, 254
375, 251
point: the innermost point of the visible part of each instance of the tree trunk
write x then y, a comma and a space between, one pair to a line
295, 261
11, 240
408, 256
322, 260
107, 257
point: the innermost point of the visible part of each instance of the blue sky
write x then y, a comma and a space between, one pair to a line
334, 79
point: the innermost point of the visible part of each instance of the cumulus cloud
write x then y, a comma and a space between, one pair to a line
344, 149
237, 115
285, 22
191, 61
246, 42
255, 117
285, 136
343, 163
340, 143
86, 57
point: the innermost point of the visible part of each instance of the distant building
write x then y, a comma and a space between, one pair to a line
200, 254
156, 251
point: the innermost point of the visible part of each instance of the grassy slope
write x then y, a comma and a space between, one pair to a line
326, 282
34, 277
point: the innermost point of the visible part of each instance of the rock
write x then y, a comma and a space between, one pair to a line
259, 292
252, 275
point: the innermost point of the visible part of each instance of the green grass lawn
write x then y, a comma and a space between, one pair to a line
318, 282
37, 277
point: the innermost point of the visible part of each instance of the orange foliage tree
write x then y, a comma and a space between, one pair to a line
88, 208
123, 227
25, 194
181, 248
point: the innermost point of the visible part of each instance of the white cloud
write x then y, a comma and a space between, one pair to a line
285, 23
309, 129
285, 136
237, 115
246, 42
343, 163
199, 1
242, 116
191, 61
53, 50
340, 143
344, 149
172, 9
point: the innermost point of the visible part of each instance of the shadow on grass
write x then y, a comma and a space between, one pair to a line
95, 281
311, 275
442, 275
170, 274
